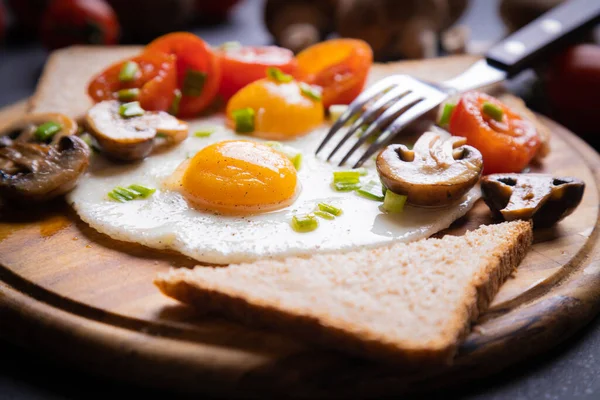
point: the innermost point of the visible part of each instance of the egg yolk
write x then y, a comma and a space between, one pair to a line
239, 176
282, 111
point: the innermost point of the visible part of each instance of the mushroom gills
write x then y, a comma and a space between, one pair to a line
543, 198
435, 173
131, 139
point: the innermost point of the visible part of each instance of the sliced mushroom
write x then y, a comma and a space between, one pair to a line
31, 171
434, 173
132, 138
543, 198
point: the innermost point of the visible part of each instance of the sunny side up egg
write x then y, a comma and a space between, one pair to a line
182, 214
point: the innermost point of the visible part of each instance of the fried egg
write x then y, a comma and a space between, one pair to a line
242, 212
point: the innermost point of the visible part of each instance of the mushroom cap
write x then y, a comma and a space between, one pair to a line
22, 130
132, 138
543, 198
434, 173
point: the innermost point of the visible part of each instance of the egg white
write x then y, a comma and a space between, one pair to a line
167, 221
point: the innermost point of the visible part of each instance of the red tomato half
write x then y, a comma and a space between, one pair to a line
507, 145
157, 81
243, 65
198, 70
68, 22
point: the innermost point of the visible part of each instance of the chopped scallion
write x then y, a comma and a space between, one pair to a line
336, 111
311, 91
446, 114
297, 161
129, 71
493, 111
174, 108
193, 83
393, 203
346, 176
128, 94
244, 120
131, 192
345, 186
226, 46
205, 132
47, 130
129, 110
328, 208
304, 223
372, 190
324, 215
278, 75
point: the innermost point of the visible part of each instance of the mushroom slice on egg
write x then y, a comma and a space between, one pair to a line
434, 173
132, 138
39, 161
543, 198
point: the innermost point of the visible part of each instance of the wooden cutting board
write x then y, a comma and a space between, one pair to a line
85, 298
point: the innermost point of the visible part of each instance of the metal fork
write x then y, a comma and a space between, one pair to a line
392, 103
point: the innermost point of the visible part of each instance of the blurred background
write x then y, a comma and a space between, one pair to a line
567, 88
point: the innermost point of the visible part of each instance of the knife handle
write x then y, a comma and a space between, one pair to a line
544, 35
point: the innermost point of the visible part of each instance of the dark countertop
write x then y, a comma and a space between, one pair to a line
570, 371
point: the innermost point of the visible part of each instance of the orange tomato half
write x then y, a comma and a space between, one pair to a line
507, 145
156, 80
339, 66
243, 65
198, 70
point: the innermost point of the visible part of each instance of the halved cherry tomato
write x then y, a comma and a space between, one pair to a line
198, 70
243, 65
507, 145
339, 66
156, 79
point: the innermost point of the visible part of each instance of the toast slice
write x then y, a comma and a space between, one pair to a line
405, 303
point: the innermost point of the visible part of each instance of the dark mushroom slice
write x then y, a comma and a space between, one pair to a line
132, 138
543, 198
434, 173
32, 172
24, 129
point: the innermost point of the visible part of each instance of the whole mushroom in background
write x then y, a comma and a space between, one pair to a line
410, 29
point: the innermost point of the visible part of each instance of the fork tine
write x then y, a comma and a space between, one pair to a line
395, 127
356, 105
405, 102
368, 116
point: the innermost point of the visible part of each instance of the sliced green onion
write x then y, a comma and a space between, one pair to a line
492, 111
393, 203
244, 120
372, 190
129, 71
142, 191
304, 223
328, 208
132, 109
346, 176
47, 130
324, 215
193, 83
131, 192
90, 141
310, 91
297, 161
226, 46
446, 114
205, 131
336, 111
278, 75
345, 186
174, 108
128, 94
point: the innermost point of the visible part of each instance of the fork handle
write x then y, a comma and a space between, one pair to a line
544, 35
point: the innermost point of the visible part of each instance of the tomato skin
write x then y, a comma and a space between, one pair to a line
68, 22
244, 65
191, 53
507, 145
339, 66
157, 81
